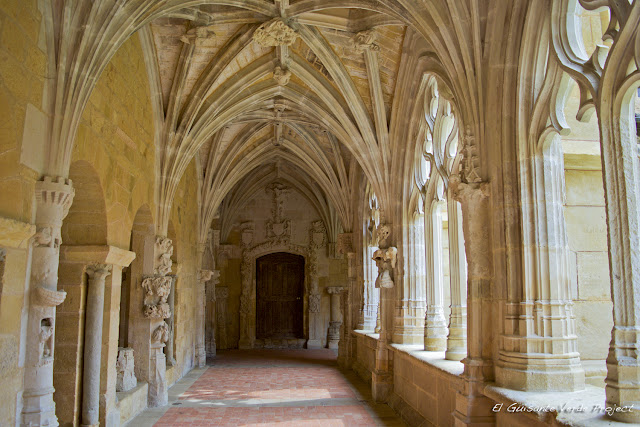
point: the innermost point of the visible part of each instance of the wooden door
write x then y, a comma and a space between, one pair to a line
279, 296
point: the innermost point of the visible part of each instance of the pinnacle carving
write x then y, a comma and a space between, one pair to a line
275, 33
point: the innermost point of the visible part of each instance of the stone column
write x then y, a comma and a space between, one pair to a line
317, 239
472, 407
53, 199
168, 350
336, 318
93, 343
435, 329
220, 319
247, 296
203, 277
457, 339
346, 346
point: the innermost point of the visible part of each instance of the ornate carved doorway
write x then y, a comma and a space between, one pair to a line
279, 296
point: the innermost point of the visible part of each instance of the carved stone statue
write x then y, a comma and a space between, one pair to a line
157, 291
126, 378
281, 76
161, 334
164, 251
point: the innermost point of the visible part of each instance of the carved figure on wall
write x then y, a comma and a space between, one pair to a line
161, 334
385, 261
164, 251
278, 229
281, 75
157, 291
364, 40
45, 339
196, 34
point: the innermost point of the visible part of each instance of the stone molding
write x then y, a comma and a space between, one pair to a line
275, 33
95, 254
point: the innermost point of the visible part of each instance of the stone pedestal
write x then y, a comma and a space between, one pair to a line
53, 199
93, 344
336, 318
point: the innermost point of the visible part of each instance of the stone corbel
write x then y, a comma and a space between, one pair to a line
47, 297
281, 75
364, 40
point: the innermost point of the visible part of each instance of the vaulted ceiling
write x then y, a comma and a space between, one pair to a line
305, 100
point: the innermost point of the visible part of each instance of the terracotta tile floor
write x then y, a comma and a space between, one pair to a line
270, 388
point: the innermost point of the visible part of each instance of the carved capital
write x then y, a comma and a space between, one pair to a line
275, 33
98, 271
157, 289
468, 192
336, 290
53, 200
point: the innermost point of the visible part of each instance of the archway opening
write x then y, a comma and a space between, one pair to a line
280, 296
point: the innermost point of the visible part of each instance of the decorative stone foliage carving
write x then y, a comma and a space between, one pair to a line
275, 33
364, 40
126, 378
278, 228
161, 334
345, 243
164, 251
157, 289
281, 76
470, 159
314, 303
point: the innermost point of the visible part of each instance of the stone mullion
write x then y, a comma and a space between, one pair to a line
93, 343
53, 199
435, 330
457, 339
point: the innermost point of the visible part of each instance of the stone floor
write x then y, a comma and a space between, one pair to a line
270, 387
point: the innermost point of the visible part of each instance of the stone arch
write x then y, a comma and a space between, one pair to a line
248, 296
86, 223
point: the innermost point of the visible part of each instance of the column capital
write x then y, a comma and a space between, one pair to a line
53, 199
97, 254
336, 289
98, 271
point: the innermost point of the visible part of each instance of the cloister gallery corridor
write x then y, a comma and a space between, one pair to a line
270, 387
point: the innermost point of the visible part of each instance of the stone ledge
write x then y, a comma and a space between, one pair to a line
555, 408
431, 358
132, 402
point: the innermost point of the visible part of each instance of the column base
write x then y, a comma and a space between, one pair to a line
39, 409
381, 385
201, 358
622, 389
473, 411
314, 344
553, 372
455, 353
